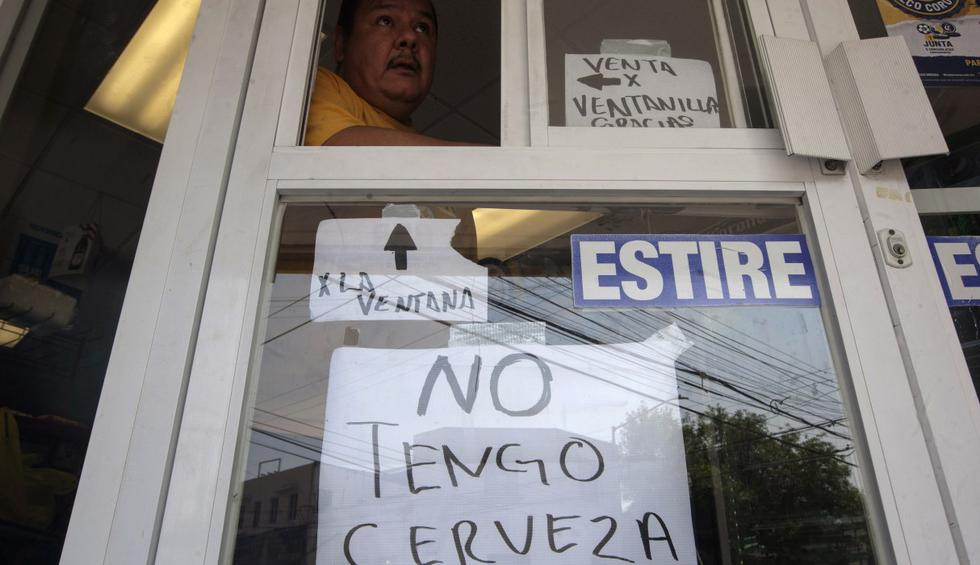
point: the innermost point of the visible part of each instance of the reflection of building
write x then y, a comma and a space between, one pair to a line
277, 521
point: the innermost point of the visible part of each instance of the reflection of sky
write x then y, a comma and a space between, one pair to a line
768, 360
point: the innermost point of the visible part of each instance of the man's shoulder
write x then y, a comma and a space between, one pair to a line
329, 82
335, 106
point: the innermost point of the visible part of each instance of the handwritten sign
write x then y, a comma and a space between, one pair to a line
504, 453
639, 91
610, 271
957, 261
394, 269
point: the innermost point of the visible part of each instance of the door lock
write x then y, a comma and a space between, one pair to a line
894, 248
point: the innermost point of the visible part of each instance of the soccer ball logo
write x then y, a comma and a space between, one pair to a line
945, 31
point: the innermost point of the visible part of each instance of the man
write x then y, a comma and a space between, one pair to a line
385, 54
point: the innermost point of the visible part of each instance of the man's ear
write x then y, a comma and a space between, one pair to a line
338, 45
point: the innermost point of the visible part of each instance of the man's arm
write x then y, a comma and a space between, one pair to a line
368, 135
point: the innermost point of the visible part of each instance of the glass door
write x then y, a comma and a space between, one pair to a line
435, 395
631, 351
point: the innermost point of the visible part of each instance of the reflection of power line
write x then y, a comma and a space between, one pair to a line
315, 427
757, 402
771, 408
280, 449
795, 359
444, 323
784, 433
583, 338
746, 372
762, 404
320, 428
707, 331
319, 448
271, 398
366, 376
742, 345
312, 449
767, 436
322, 314
708, 334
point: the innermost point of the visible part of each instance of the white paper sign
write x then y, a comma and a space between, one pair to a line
504, 453
639, 91
394, 269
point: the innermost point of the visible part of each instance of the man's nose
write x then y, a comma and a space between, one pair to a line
407, 38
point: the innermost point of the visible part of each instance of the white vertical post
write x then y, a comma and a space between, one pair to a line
198, 497
302, 62
515, 114
945, 400
127, 468
895, 460
729, 67
537, 60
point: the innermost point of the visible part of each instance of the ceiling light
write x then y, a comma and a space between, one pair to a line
140, 89
27, 305
502, 233
11, 334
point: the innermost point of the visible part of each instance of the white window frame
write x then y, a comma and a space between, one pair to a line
958, 200
19, 20
198, 381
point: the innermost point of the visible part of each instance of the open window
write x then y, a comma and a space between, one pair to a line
464, 102
645, 73
573, 72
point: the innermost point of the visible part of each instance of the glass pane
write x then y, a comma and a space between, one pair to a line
462, 103
76, 172
547, 433
966, 319
947, 54
652, 63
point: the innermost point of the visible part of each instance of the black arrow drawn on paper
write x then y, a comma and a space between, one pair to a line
597, 81
401, 242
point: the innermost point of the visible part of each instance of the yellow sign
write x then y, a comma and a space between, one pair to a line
943, 37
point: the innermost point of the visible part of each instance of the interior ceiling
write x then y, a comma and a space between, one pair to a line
61, 166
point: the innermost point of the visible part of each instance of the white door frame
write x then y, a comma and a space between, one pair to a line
189, 323
944, 394
121, 496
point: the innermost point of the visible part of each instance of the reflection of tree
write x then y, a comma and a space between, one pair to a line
777, 497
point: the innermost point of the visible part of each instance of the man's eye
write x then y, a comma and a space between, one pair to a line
385, 21
422, 28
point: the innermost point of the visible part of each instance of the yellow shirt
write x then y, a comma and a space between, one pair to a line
336, 107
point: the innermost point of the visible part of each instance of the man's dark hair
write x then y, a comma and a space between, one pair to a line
348, 8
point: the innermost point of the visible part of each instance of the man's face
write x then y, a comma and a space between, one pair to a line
389, 56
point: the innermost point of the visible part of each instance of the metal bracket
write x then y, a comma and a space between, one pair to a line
833, 167
894, 248
882, 103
